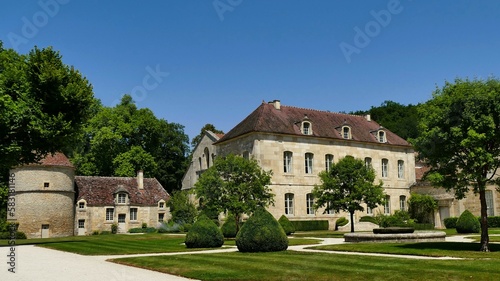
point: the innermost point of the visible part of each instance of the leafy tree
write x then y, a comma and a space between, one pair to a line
400, 119
421, 207
347, 185
120, 140
182, 209
460, 139
207, 127
235, 185
43, 105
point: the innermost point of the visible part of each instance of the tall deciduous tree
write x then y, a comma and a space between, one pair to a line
207, 127
120, 140
43, 105
460, 139
346, 186
235, 185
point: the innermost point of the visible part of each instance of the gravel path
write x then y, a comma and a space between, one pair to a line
37, 263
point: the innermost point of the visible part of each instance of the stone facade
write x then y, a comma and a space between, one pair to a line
52, 202
45, 199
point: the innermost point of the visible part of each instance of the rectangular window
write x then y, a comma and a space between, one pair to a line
109, 214
387, 205
401, 169
289, 204
133, 214
489, 203
122, 198
369, 210
121, 218
161, 217
309, 163
310, 204
81, 223
402, 203
81, 205
161, 205
328, 162
46, 184
385, 168
287, 161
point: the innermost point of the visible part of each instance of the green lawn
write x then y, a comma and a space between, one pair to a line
290, 265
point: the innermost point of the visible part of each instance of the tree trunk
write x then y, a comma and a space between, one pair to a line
352, 221
237, 218
484, 221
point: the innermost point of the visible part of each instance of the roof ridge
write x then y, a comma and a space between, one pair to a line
324, 111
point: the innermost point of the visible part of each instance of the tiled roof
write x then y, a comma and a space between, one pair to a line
58, 159
287, 120
99, 191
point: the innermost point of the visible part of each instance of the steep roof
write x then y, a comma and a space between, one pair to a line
58, 159
99, 191
267, 118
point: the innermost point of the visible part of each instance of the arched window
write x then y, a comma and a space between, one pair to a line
207, 157
328, 162
289, 203
310, 204
287, 161
402, 203
401, 169
346, 132
309, 163
381, 136
306, 128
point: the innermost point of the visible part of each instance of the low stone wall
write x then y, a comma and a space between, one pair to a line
417, 236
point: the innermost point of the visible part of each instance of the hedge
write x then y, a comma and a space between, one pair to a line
371, 219
310, 225
142, 230
7, 235
494, 221
423, 226
450, 222
341, 222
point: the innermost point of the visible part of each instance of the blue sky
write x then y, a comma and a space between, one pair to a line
197, 62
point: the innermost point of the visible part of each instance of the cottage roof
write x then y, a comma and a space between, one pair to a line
58, 159
99, 191
279, 119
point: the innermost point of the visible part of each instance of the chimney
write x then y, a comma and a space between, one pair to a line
140, 179
276, 103
368, 117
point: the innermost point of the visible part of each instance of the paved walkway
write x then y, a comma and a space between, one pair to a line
37, 263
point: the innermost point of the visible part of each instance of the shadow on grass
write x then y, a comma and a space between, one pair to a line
449, 246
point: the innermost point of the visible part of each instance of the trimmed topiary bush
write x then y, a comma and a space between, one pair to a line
371, 219
261, 233
450, 222
229, 227
494, 221
287, 225
204, 234
341, 222
468, 223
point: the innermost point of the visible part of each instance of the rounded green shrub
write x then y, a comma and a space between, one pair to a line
204, 234
229, 227
368, 219
287, 225
468, 223
450, 222
341, 222
261, 233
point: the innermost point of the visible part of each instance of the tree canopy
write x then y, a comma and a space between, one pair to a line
346, 186
460, 139
235, 185
44, 104
120, 140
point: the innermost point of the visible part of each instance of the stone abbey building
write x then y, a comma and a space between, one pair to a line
52, 202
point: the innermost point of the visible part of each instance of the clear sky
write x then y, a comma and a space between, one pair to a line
197, 62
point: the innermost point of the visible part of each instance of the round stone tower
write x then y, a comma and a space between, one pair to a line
44, 197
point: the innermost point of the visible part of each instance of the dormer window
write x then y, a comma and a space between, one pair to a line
81, 204
122, 198
346, 132
381, 136
306, 128
161, 204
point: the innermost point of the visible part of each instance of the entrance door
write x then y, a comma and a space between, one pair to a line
121, 223
81, 227
45, 231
